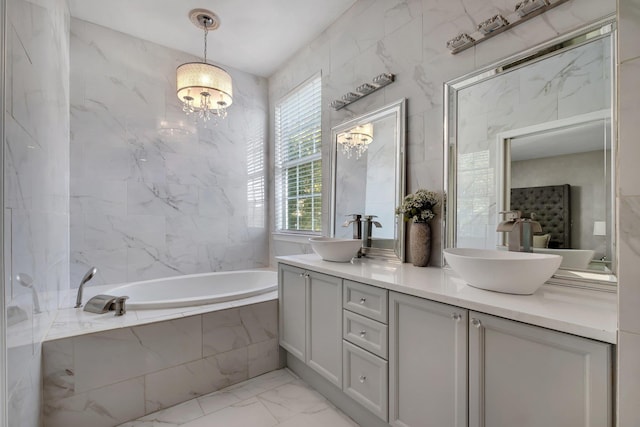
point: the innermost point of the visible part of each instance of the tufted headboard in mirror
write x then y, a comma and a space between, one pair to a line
552, 206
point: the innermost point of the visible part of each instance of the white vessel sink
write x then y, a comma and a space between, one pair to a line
509, 272
338, 250
571, 258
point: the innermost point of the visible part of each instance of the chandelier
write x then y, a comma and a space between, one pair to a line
205, 90
356, 141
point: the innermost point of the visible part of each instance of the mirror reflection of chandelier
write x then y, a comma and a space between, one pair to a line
356, 140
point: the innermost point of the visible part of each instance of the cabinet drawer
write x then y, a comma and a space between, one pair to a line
365, 379
366, 333
366, 300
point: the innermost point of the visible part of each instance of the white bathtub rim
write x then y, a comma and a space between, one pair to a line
121, 290
71, 322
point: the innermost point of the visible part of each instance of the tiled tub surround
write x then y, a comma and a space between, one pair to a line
142, 365
582, 312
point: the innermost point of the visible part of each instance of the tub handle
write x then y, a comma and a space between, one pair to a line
120, 305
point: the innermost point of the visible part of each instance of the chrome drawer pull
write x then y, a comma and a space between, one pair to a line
363, 333
362, 379
363, 300
477, 323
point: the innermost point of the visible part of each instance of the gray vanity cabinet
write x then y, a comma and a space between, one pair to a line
311, 319
292, 295
427, 363
527, 376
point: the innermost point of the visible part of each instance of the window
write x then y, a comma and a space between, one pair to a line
298, 187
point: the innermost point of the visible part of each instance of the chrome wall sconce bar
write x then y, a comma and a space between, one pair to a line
497, 24
363, 90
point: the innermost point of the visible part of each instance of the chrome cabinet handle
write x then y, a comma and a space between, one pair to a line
362, 379
476, 322
363, 300
456, 316
363, 333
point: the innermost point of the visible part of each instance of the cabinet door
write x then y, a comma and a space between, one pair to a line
527, 376
292, 292
427, 363
324, 326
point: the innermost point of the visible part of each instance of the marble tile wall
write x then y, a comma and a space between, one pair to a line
110, 377
36, 191
407, 37
628, 200
153, 194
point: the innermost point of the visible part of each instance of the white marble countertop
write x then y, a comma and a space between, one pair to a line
582, 312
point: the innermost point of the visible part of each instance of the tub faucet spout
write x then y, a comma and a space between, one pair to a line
88, 276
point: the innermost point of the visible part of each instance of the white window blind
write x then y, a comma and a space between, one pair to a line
298, 187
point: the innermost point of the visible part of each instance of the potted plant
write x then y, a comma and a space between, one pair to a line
419, 209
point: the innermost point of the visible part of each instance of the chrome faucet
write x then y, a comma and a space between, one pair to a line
356, 220
520, 229
368, 226
88, 276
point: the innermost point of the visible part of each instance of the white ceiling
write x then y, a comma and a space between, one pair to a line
256, 36
581, 138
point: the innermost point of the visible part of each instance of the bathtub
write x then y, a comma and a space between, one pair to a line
196, 289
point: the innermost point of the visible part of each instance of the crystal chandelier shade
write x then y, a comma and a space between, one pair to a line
356, 141
204, 89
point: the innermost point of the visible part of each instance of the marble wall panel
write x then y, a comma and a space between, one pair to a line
35, 114
102, 407
154, 194
108, 357
628, 233
181, 383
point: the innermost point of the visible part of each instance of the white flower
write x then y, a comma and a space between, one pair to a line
419, 206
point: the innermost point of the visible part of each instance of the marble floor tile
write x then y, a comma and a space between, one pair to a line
275, 399
260, 384
291, 399
170, 417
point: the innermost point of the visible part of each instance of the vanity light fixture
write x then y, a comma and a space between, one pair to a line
459, 42
351, 96
528, 6
492, 24
204, 89
523, 11
356, 140
363, 90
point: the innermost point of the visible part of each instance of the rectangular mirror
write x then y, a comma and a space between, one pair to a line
533, 133
368, 179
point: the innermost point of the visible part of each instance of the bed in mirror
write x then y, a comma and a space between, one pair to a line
368, 180
533, 133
